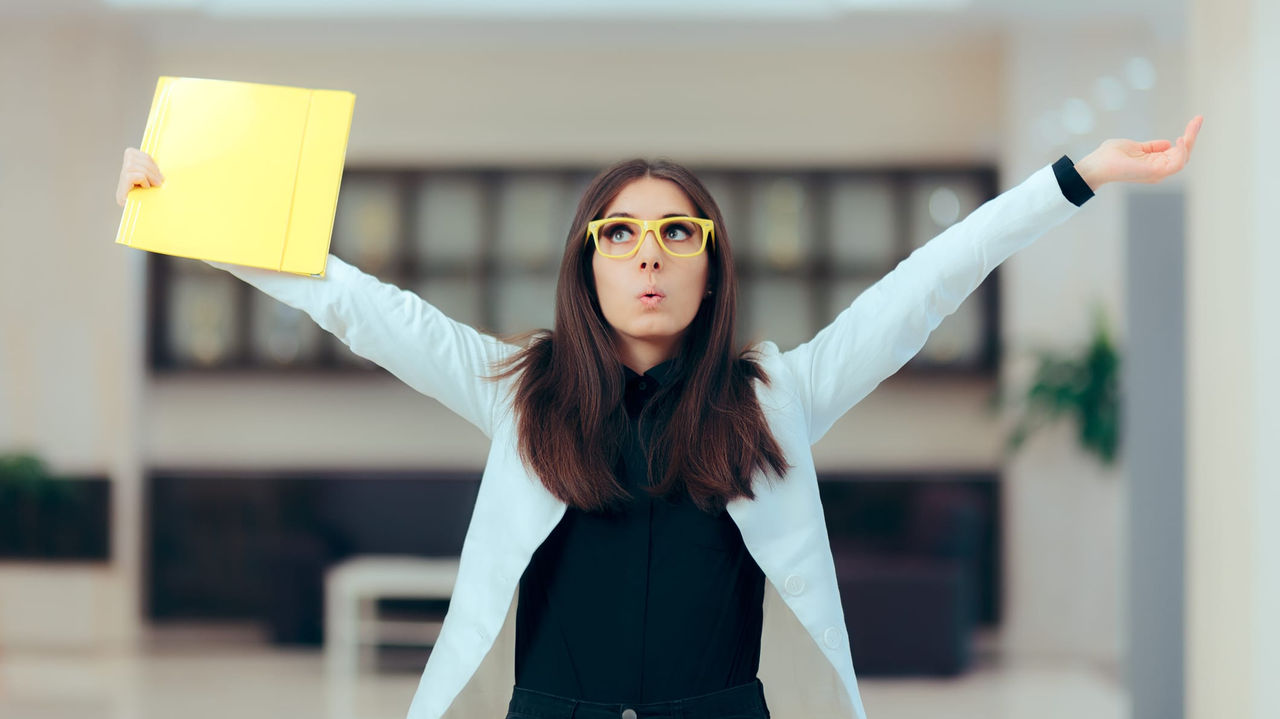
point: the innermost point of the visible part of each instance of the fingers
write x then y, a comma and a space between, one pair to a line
139, 170
1193, 130
1156, 146
148, 166
1186, 142
1180, 160
137, 160
139, 179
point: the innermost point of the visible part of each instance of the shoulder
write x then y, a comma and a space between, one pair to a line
769, 359
764, 353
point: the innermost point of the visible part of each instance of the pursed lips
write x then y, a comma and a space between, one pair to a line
650, 296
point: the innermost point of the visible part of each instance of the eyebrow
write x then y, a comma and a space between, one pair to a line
628, 214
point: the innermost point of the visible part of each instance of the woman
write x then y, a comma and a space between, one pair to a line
646, 476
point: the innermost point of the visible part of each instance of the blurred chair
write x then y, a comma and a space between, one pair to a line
911, 609
352, 589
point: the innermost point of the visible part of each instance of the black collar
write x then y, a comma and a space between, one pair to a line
662, 373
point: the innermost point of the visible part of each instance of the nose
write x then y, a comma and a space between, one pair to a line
649, 254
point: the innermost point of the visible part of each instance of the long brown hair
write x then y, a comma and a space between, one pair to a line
569, 395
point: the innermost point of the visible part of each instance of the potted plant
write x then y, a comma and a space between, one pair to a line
43, 516
1083, 386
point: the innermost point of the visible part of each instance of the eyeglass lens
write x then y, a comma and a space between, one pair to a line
679, 236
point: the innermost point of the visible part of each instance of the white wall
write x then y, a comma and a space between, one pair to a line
70, 310
1233, 349
1064, 510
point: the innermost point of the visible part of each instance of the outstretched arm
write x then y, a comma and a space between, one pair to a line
888, 323
396, 329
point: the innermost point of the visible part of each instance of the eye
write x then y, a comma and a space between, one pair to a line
617, 234
677, 231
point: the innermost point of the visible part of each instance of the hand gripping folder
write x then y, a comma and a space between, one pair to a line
251, 174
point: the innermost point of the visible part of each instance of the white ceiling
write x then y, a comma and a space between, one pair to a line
556, 9
666, 23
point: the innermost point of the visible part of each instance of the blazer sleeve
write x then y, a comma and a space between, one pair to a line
888, 323
397, 330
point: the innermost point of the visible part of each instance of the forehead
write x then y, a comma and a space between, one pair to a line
650, 197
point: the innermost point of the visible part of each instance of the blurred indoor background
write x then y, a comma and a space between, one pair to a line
186, 464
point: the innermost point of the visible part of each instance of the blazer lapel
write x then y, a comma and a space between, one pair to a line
804, 653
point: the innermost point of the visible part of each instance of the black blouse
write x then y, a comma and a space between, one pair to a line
656, 601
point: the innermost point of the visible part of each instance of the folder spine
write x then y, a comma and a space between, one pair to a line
293, 200
150, 138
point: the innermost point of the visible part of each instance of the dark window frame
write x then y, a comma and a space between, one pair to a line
815, 269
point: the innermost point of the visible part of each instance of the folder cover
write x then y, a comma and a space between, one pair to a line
251, 173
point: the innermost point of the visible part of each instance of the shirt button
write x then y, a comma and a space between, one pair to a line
831, 638
643, 385
794, 585
628, 714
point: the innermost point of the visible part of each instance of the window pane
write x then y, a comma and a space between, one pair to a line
936, 202
577, 185
202, 328
450, 230
780, 311
530, 225
524, 303
367, 222
863, 230
457, 297
780, 223
721, 188
282, 335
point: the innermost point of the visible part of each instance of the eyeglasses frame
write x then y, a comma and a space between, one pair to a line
708, 232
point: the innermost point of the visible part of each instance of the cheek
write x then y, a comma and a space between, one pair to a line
693, 288
698, 279
606, 284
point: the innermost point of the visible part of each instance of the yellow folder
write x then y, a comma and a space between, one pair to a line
251, 173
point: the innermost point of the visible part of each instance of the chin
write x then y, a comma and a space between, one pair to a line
663, 331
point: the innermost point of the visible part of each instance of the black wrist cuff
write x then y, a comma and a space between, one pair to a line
1073, 186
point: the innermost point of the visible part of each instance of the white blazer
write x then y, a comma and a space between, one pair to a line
783, 527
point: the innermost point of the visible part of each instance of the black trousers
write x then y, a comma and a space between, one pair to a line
745, 701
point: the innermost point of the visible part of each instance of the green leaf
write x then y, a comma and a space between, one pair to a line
1084, 387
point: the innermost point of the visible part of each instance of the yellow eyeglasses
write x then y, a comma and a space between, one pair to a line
620, 237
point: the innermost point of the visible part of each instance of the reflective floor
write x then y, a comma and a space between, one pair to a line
220, 675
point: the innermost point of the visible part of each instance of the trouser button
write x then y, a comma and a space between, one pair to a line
628, 714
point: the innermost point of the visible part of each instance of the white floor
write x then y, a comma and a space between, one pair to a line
228, 675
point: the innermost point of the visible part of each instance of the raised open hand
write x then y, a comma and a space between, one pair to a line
1119, 160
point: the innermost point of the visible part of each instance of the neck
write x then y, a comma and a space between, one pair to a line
643, 355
